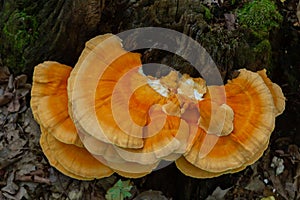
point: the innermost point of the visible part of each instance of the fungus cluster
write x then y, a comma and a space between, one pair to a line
105, 115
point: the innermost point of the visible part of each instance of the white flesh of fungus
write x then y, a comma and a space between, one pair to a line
186, 87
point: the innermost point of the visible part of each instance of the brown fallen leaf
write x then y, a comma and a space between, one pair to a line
20, 81
10, 84
230, 21
269, 173
4, 74
33, 178
10, 188
290, 189
256, 185
13, 92
6, 98
12, 152
14, 105
294, 153
277, 184
217, 194
22, 194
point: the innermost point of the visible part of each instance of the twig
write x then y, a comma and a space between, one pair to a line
33, 178
38, 172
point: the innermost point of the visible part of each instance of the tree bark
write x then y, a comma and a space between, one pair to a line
58, 29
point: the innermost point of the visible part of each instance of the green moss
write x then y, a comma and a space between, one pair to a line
259, 15
207, 13
263, 50
19, 31
258, 18
263, 46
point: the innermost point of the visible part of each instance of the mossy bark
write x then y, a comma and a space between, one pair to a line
57, 30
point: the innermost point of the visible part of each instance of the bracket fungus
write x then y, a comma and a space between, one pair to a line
253, 105
49, 101
59, 139
105, 115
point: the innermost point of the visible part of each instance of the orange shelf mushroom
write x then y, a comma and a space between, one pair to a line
251, 120
72, 160
49, 101
59, 140
106, 116
119, 114
279, 99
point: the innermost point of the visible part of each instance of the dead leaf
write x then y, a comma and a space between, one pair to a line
14, 93
8, 196
12, 152
277, 184
5, 98
26, 169
75, 194
294, 153
255, 185
4, 74
14, 106
291, 189
218, 194
20, 81
10, 85
10, 125
22, 92
230, 21
2, 89
22, 193
10, 188
31, 128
